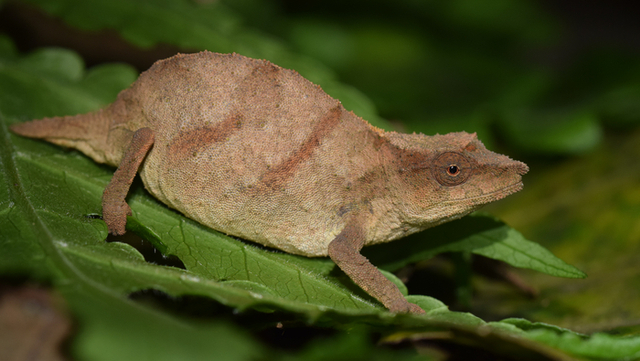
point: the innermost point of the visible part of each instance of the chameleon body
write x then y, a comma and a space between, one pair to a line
257, 151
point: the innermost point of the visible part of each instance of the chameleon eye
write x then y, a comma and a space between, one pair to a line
451, 168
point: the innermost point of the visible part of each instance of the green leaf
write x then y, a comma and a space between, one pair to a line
510, 246
479, 234
524, 340
598, 346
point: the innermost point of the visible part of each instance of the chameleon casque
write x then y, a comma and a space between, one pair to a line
257, 151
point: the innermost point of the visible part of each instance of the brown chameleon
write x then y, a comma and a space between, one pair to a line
257, 151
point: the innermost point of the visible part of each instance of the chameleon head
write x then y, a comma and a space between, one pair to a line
452, 175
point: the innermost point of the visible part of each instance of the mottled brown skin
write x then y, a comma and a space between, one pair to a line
254, 150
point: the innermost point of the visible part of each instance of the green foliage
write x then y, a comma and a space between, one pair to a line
481, 235
465, 65
599, 346
49, 196
208, 26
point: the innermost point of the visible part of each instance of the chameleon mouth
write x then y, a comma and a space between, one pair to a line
493, 196
516, 187
500, 193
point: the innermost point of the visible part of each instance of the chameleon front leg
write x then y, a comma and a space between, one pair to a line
344, 250
114, 207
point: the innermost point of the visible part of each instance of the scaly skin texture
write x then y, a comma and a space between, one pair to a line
254, 150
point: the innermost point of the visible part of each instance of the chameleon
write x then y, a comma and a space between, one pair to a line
258, 152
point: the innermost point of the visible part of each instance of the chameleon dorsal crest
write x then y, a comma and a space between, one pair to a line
257, 151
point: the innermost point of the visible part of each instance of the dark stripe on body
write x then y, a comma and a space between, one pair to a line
193, 141
277, 176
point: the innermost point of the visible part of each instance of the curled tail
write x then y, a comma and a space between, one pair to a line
86, 132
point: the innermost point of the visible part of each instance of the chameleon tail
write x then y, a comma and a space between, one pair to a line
85, 132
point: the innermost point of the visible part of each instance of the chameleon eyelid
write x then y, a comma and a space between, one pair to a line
443, 163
